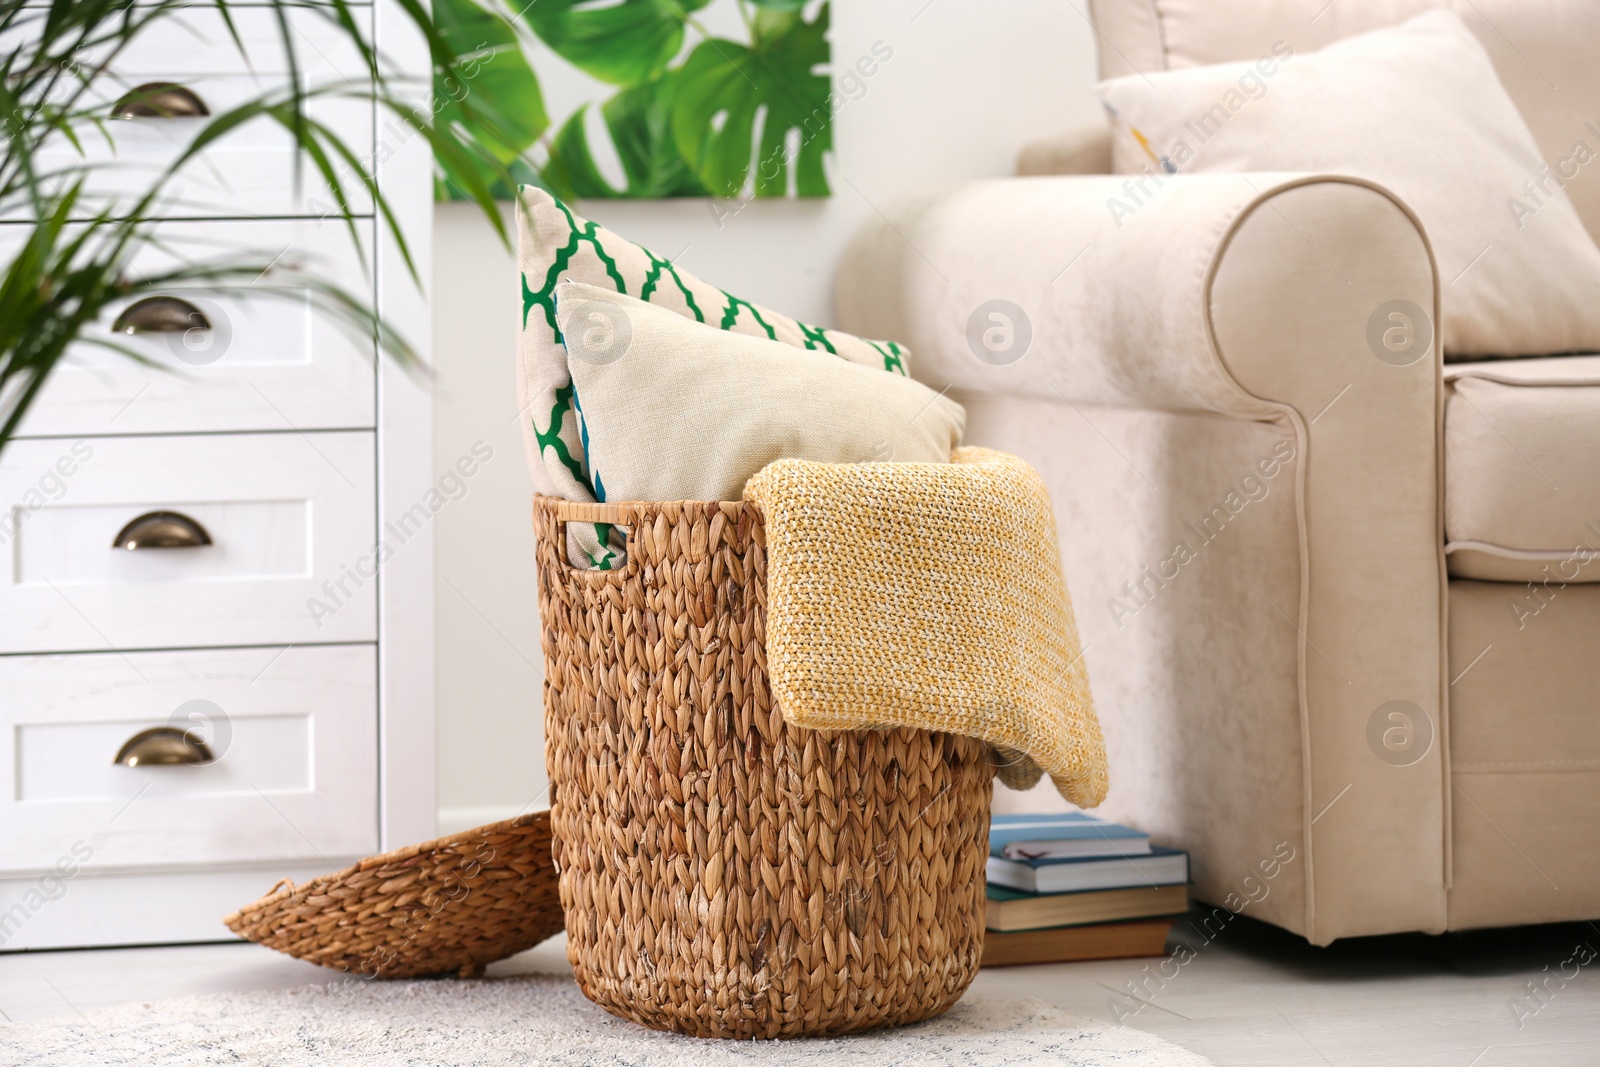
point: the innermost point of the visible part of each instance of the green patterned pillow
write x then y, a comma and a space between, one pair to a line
554, 243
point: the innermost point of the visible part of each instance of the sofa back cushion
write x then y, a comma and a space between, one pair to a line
1418, 109
1543, 51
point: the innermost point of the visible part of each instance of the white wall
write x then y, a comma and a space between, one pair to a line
966, 86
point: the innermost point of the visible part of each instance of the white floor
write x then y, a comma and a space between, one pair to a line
1252, 995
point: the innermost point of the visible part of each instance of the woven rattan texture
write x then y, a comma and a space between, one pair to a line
723, 873
451, 905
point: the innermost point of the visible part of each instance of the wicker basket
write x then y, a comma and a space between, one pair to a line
724, 874
451, 905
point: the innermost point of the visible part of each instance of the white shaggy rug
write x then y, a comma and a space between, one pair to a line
537, 1020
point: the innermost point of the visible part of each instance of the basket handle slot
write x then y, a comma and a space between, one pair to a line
608, 562
611, 516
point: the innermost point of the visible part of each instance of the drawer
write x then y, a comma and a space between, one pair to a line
289, 519
292, 733
252, 171
266, 362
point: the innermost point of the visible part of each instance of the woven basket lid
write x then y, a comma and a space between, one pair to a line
450, 905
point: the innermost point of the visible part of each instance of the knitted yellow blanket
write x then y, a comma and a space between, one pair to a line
929, 595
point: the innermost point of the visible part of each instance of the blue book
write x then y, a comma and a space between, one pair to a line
1163, 866
1068, 835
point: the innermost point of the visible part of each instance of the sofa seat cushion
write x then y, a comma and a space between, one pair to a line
1522, 470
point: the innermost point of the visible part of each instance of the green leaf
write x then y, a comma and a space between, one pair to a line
639, 122
771, 23
493, 95
719, 94
639, 119
571, 172
621, 43
60, 278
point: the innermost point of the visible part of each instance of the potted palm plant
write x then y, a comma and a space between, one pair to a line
70, 241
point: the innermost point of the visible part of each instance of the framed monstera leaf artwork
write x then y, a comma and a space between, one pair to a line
641, 99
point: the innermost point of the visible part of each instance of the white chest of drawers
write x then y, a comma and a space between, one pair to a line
286, 621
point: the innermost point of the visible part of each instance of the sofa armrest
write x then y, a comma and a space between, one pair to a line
1270, 298
1108, 278
1085, 150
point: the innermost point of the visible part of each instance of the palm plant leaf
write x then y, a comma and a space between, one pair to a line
70, 268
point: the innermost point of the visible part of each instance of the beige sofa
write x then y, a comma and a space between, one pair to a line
1341, 611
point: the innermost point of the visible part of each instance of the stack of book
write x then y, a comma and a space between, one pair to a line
1073, 887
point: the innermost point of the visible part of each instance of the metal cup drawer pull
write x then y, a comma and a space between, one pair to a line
163, 746
162, 529
160, 100
160, 314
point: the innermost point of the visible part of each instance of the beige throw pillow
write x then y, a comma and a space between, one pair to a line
553, 245
1418, 109
675, 410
